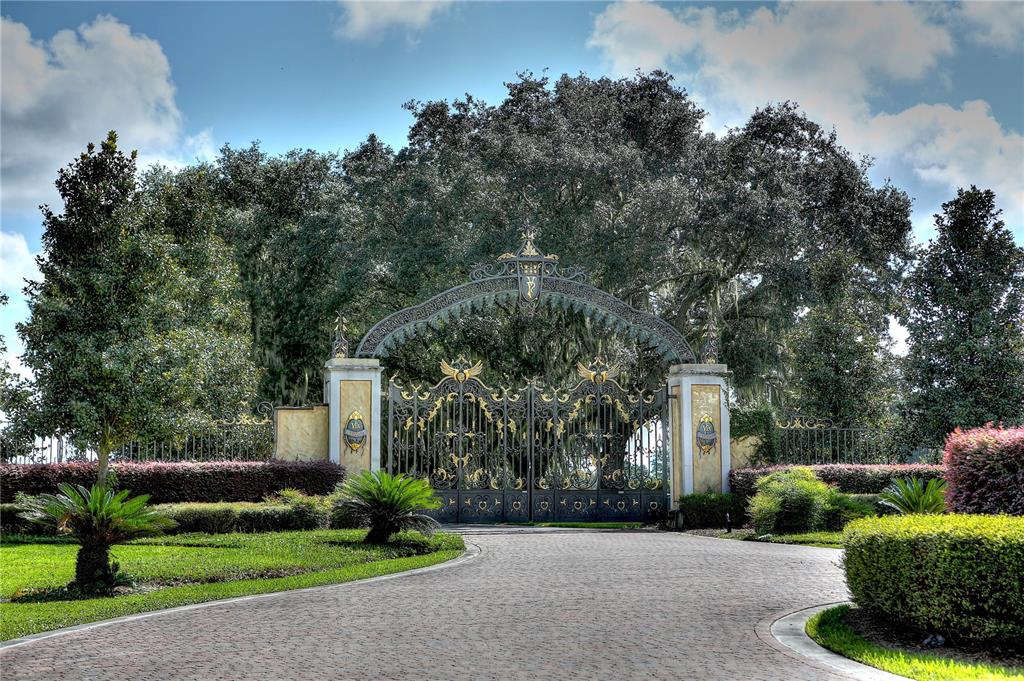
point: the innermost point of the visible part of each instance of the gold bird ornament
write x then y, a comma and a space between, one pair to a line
598, 373
461, 370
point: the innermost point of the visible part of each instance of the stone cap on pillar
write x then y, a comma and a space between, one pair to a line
699, 370
352, 363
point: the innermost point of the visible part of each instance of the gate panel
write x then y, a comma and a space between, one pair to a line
594, 451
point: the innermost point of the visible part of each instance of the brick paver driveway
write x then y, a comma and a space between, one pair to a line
552, 605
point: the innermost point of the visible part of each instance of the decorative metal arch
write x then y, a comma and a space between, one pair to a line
533, 278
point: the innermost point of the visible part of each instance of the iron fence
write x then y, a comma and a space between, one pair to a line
245, 439
808, 440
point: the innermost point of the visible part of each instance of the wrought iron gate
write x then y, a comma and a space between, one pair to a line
594, 451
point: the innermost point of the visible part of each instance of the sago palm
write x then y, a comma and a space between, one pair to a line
388, 504
912, 495
97, 518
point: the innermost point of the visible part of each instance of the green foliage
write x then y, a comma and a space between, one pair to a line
196, 568
965, 301
913, 495
708, 509
136, 327
757, 420
842, 369
829, 630
957, 575
387, 504
97, 518
790, 501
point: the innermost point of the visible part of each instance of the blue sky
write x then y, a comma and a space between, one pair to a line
935, 92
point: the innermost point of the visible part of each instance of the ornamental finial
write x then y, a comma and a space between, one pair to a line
340, 347
709, 353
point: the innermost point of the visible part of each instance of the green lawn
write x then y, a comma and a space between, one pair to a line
829, 630
195, 568
828, 540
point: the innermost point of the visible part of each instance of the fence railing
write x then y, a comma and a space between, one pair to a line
248, 439
808, 440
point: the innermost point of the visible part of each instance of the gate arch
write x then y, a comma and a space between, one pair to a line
534, 278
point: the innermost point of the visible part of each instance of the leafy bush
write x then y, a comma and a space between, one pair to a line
985, 470
955, 575
841, 509
311, 511
848, 478
912, 495
388, 504
97, 518
708, 509
790, 501
238, 516
180, 482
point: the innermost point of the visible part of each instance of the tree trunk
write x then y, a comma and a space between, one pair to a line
103, 458
92, 566
379, 534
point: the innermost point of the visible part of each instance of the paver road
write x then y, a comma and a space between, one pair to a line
531, 605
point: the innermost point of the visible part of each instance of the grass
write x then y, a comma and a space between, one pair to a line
830, 631
187, 569
827, 540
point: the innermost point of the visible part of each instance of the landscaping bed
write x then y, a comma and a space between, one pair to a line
851, 632
192, 568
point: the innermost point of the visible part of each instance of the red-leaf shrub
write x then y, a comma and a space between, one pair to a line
985, 470
848, 478
180, 482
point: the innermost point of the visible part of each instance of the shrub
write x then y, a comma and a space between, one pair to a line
790, 501
955, 575
388, 504
911, 495
97, 518
985, 470
848, 478
841, 509
239, 516
708, 509
311, 511
180, 482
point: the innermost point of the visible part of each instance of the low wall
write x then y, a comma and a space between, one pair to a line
743, 449
301, 433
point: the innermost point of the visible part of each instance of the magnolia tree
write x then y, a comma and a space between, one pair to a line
130, 334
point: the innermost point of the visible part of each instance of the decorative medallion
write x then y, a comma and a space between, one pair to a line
706, 435
598, 372
355, 431
461, 369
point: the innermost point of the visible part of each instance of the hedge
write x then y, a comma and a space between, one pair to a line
985, 470
955, 575
180, 482
240, 516
848, 478
708, 509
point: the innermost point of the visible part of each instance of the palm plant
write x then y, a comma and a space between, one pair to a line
913, 495
97, 518
387, 504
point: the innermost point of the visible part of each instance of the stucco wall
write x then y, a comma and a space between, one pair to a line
743, 450
301, 433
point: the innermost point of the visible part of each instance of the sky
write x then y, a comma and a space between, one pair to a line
933, 92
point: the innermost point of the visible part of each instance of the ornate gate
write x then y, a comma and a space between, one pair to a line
593, 451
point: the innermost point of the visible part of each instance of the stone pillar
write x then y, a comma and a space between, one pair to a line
698, 428
352, 393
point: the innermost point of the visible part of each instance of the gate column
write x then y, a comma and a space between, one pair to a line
698, 429
352, 393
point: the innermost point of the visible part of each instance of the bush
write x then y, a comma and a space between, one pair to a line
180, 482
985, 470
388, 504
790, 501
239, 516
911, 495
841, 509
955, 575
708, 509
848, 478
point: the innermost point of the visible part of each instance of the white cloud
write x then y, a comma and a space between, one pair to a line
364, 19
17, 263
997, 24
831, 58
59, 94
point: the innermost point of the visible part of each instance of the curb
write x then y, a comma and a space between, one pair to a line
472, 551
789, 631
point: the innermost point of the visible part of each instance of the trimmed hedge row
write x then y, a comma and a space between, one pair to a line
240, 516
985, 470
180, 482
848, 478
707, 509
956, 575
